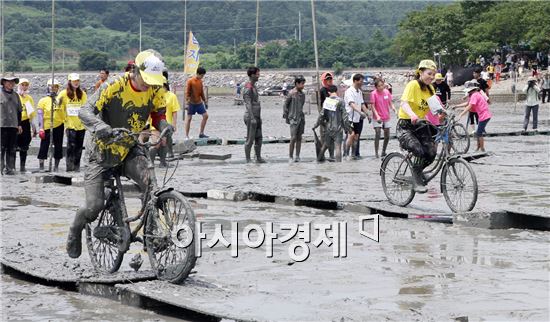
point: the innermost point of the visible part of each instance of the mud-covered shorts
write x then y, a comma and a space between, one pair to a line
297, 129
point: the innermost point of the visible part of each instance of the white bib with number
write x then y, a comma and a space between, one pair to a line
72, 109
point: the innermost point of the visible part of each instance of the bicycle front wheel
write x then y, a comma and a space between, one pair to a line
459, 185
396, 175
106, 237
459, 138
169, 232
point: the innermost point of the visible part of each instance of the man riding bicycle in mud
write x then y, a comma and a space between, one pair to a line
125, 103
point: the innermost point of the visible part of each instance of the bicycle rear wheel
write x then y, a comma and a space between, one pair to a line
105, 237
169, 237
459, 138
396, 175
459, 185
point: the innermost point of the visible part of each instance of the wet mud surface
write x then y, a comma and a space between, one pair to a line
418, 271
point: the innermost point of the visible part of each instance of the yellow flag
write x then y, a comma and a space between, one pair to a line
192, 57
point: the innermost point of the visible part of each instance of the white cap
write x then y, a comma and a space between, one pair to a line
55, 82
73, 76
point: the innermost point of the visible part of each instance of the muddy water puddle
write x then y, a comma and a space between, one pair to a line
26, 301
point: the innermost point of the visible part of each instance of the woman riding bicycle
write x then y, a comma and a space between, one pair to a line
417, 137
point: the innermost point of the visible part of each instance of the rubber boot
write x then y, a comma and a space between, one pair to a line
418, 183
56, 165
376, 142
386, 140
258, 151
247, 153
74, 239
22, 161
10, 162
41, 165
69, 162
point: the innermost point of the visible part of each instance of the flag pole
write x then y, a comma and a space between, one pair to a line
316, 55
184, 54
50, 149
257, 27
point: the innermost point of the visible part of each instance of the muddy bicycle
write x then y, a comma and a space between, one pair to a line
166, 220
459, 140
458, 181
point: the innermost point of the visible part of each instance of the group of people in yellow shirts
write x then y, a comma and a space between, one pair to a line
66, 104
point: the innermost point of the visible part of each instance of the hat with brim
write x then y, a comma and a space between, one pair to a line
150, 68
438, 76
10, 76
23, 80
73, 77
467, 90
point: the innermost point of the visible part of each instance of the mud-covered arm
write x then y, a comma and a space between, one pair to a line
320, 119
286, 106
247, 98
89, 113
345, 119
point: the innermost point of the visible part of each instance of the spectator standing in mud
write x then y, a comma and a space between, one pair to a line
334, 118
44, 110
326, 82
197, 102
546, 87
252, 116
10, 121
357, 111
442, 89
70, 100
28, 122
164, 148
498, 72
103, 76
532, 103
381, 99
478, 103
293, 113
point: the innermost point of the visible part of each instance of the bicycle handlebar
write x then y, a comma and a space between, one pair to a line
118, 133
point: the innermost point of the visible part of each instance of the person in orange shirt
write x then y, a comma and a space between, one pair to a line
103, 75
196, 102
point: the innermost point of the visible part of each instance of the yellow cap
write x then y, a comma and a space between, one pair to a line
427, 63
439, 76
150, 67
73, 77
23, 80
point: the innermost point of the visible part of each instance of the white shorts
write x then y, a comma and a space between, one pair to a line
386, 125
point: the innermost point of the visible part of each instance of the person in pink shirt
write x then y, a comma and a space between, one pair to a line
477, 103
381, 99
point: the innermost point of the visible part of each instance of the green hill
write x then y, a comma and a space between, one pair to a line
113, 27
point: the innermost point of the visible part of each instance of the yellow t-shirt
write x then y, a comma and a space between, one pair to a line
417, 99
45, 104
24, 100
172, 105
121, 106
71, 107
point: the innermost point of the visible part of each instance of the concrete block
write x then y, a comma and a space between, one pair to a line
226, 195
